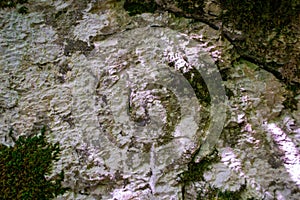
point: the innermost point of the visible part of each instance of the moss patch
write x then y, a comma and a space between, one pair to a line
23, 168
290, 101
195, 170
172, 107
217, 194
135, 7
13, 4
191, 7
198, 84
207, 192
268, 32
249, 16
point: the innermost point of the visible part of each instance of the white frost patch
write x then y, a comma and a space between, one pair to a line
229, 159
123, 194
291, 156
178, 59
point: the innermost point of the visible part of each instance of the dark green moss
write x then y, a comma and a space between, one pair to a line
249, 16
172, 107
229, 92
191, 6
198, 84
135, 7
262, 24
23, 168
217, 194
195, 170
195, 173
290, 102
13, 4
23, 10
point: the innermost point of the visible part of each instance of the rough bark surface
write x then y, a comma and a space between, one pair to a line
133, 93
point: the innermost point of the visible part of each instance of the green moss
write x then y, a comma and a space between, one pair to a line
290, 101
23, 168
249, 16
191, 6
172, 108
135, 7
217, 194
262, 24
198, 84
195, 174
195, 170
13, 4
23, 10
